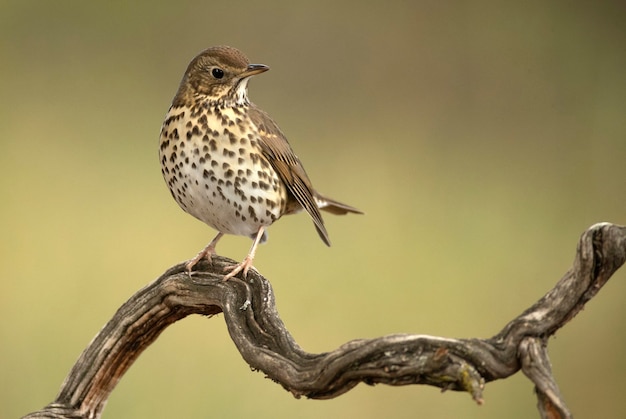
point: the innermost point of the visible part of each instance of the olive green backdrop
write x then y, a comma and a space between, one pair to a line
481, 139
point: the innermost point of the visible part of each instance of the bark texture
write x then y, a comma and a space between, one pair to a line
259, 334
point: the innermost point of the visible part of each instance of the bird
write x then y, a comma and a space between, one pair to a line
227, 163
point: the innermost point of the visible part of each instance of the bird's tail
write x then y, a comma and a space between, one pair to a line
334, 207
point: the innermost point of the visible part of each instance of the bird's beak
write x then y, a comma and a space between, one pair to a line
254, 69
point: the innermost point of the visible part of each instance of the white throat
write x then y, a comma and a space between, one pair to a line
241, 93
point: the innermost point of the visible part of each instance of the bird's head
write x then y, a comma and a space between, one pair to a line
220, 75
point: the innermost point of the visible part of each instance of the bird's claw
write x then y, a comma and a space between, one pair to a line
244, 267
206, 253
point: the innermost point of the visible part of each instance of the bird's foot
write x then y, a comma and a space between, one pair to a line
244, 267
205, 253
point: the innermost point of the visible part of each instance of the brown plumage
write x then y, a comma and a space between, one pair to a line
227, 163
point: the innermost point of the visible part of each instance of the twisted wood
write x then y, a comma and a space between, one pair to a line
266, 345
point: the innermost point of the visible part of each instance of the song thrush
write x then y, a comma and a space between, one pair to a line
227, 163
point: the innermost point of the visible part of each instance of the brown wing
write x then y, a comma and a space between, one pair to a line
277, 151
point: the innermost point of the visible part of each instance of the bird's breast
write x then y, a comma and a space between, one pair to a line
213, 165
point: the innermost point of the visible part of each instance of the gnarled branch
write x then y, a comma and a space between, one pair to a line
261, 337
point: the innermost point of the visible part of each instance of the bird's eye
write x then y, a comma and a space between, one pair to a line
218, 73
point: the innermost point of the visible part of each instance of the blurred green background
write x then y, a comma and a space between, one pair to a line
481, 139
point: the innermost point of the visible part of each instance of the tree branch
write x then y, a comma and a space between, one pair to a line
263, 341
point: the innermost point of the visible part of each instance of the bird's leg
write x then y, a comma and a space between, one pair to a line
246, 264
207, 252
